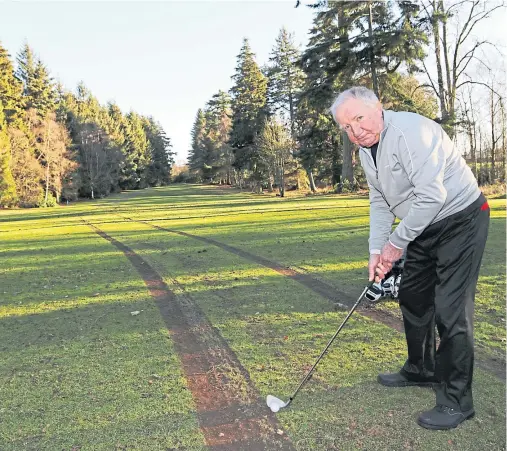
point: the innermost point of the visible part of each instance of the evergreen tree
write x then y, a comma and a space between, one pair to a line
353, 39
116, 125
159, 169
8, 196
355, 43
26, 66
137, 153
248, 107
319, 138
196, 158
219, 155
286, 78
39, 90
100, 159
404, 93
11, 90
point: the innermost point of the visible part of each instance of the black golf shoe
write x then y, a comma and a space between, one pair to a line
400, 380
443, 417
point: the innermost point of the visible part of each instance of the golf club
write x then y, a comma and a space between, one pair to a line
373, 292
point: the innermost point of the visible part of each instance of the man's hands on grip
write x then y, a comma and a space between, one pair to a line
380, 264
377, 269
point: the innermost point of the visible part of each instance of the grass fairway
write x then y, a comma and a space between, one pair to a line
80, 371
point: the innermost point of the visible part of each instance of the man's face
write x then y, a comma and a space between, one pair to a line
362, 122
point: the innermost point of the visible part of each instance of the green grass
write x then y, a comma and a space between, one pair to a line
77, 365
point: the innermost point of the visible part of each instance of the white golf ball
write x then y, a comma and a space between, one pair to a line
275, 408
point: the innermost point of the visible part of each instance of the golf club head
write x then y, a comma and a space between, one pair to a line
275, 404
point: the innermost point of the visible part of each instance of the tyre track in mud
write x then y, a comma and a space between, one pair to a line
496, 366
230, 411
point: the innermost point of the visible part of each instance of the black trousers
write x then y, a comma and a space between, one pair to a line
438, 287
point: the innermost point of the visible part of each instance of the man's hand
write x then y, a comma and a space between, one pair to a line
372, 266
377, 269
388, 256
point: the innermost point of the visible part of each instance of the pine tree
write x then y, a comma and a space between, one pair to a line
353, 39
137, 152
116, 125
404, 93
353, 43
159, 169
39, 89
26, 66
8, 196
196, 158
248, 107
219, 156
286, 79
100, 159
11, 90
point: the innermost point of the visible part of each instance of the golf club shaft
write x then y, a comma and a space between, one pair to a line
329, 344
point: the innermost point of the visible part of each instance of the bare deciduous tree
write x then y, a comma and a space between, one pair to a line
453, 56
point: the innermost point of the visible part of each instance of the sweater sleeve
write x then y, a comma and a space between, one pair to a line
381, 220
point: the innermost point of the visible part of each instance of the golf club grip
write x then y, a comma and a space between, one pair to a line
332, 339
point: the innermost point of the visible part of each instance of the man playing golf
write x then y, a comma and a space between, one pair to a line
415, 173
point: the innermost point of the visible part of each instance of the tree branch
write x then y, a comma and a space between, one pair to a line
469, 55
467, 22
424, 85
484, 16
455, 5
431, 81
478, 83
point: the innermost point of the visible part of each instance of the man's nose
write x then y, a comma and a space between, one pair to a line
356, 130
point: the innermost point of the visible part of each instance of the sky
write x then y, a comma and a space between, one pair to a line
161, 59
164, 59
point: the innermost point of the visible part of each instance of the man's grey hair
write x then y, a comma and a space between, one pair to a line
357, 92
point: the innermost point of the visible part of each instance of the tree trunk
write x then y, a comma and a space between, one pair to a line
282, 180
312, 181
493, 141
336, 166
47, 184
473, 157
373, 70
347, 167
291, 111
436, 41
504, 149
472, 133
446, 50
481, 160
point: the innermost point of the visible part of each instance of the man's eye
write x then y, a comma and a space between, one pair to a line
347, 127
360, 118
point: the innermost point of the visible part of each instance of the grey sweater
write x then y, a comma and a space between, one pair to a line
420, 178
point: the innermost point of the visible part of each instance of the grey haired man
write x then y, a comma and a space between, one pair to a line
416, 174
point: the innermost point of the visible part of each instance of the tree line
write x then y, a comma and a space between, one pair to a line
273, 128
57, 145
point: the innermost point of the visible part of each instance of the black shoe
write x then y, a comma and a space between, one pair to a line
399, 380
443, 417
